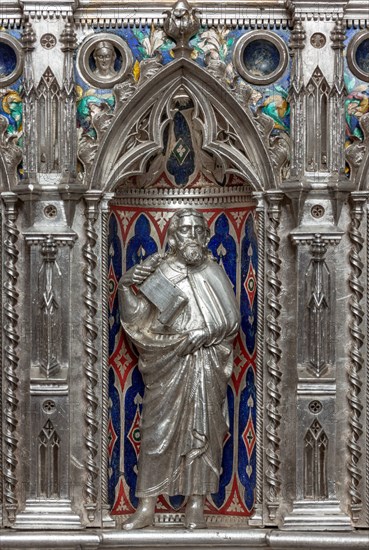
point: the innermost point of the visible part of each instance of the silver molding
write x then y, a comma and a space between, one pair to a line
172, 539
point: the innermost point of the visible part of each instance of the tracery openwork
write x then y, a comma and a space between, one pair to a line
48, 462
315, 462
225, 143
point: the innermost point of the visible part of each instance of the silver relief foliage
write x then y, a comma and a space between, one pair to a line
103, 118
10, 151
88, 145
273, 399
356, 357
278, 146
90, 344
356, 152
11, 355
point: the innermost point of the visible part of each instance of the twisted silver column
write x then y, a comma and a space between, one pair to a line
11, 357
260, 210
274, 284
91, 352
356, 356
107, 520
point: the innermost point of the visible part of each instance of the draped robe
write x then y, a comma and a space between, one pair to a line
184, 413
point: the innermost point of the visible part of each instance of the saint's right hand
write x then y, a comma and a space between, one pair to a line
139, 273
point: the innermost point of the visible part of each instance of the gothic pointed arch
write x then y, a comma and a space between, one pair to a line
225, 130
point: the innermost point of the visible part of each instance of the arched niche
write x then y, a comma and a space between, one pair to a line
136, 134
129, 169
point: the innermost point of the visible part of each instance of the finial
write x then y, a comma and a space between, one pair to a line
181, 24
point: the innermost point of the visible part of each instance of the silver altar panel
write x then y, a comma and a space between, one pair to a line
253, 109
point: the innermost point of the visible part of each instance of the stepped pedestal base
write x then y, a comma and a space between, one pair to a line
316, 516
48, 515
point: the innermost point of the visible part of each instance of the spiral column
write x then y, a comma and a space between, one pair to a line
107, 520
356, 355
91, 353
257, 518
11, 357
273, 415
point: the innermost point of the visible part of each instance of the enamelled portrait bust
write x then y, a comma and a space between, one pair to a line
182, 318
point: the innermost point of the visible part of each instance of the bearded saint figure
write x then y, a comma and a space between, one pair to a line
182, 318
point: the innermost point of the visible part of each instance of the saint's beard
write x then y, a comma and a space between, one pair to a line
192, 252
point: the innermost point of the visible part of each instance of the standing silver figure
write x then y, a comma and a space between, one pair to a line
183, 320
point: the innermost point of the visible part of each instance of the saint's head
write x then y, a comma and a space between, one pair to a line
104, 56
188, 236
